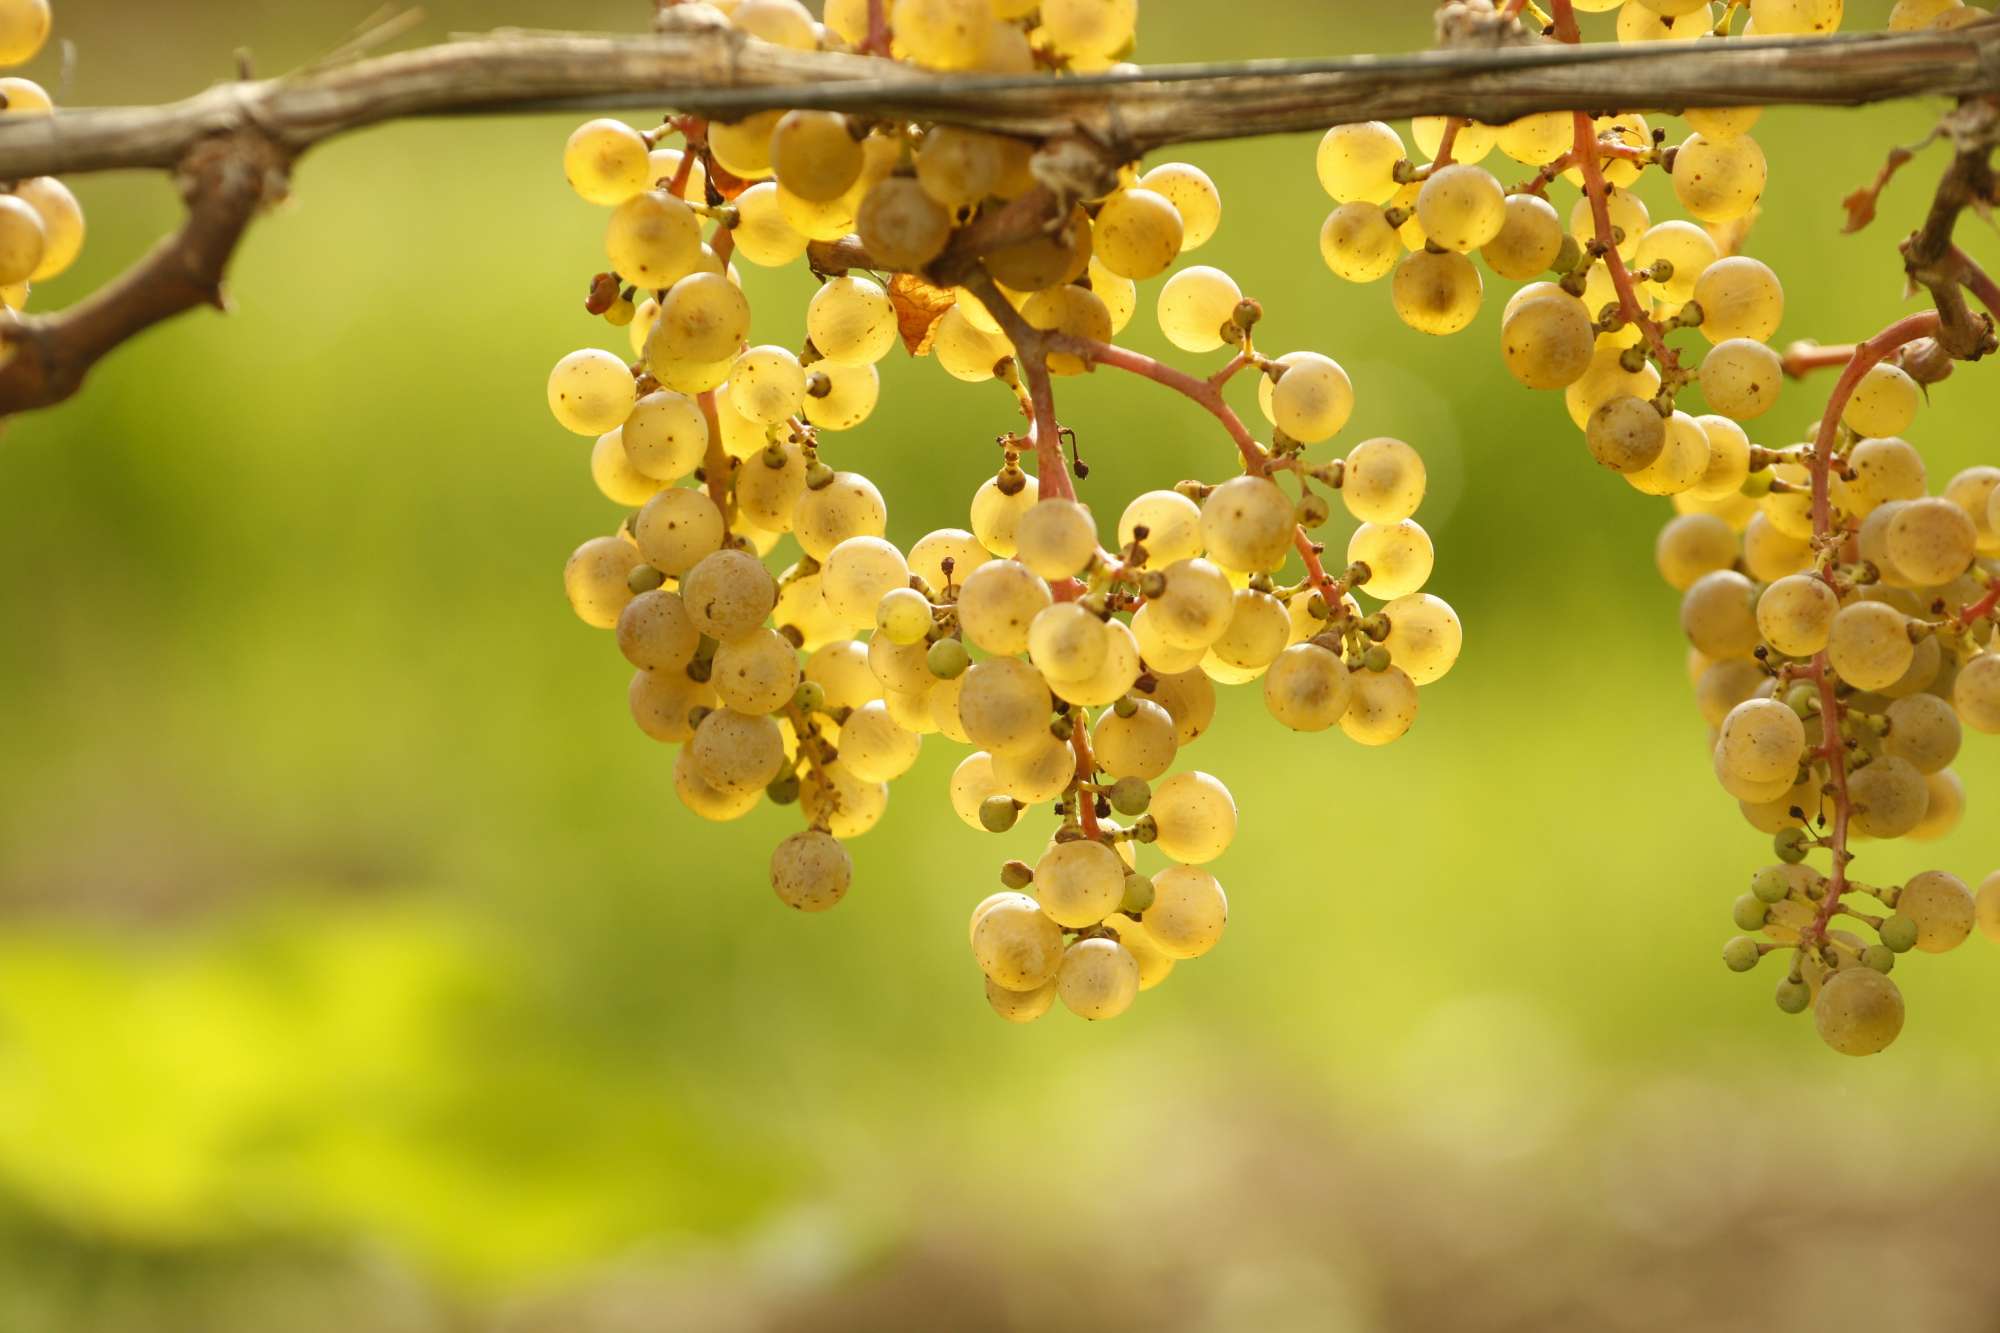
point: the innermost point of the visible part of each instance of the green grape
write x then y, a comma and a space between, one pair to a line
996, 515
810, 871
903, 667
1884, 403
1039, 773
1189, 698
1257, 631
1436, 293
1247, 524
62, 224
1080, 883
1425, 636
654, 629
901, 226
1719, 180
1885, 470
1045, 259
1739, 297
1976, 693
605, 161
1138, 233
1691, 545
931, 550
676, 529
1529, 239
1311, 400
1307, 688
756, 671
1740, 954
1796, 18
1793, 996
1399, 557
1381, 706
1189, 912
1890, 797
662, 700
1358, 244
1689, 251
1869, 645
1120, 295
1003, 704
702, 318
1859, 1011
1762, 740
1140, 746
1681, 462
595, 579
840, 799
972, 785
1099, 978
1111, 680
703, 798
1195, 816
1357, 162
1548, 343
1067, 643
1537, 139
1384, 481
1718, 614
1740, 377
665, 436
616, 478
1942, 908
1056, 538
1605, 380
653, 240
1728, 460
1195, 304
1193, 195
590, 391
1795, 614
1193, 605
728, 592
998, 602
851, 321
1932, 541
852, 392
1020, 1006
24, 27
735, 752
1461, 207
847, 506
855, 576
1018, 947
903, 616
874, 747
1070, 310
1172, 523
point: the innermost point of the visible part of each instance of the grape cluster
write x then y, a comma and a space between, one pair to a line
1077, 671
1841, 615
41, 223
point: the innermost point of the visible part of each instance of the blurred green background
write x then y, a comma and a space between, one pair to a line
359, 971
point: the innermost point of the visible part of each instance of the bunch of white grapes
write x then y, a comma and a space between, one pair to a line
41, 223
1882, 610
1893, 621
1077, 669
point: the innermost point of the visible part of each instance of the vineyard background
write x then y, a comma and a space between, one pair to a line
357, 970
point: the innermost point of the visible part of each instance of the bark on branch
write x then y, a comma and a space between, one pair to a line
718, 72
234, 143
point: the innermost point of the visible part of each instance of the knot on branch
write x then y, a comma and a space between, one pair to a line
225, 179
1477, 24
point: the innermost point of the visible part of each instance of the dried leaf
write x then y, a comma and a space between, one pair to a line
919, 306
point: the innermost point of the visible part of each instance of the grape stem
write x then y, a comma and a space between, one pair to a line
877, 43
715, 463
1866, 355
1621, 279
1985, 606
1086, 769
1802, 358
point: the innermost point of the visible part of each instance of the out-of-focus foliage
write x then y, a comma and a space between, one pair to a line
358, 971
